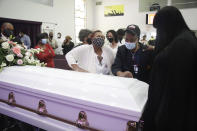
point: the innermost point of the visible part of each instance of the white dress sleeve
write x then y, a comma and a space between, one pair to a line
73, 56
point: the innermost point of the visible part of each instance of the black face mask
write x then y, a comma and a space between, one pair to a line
110, 40
59, 36
7, 32
51, 37
89, 40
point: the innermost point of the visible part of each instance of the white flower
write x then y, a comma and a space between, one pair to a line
19, 46
32, 58
38, 64
28, 54
5, 45
19, 62
30, 61
20, 55
10, 58
26, 57
3, 65
35, 51
37, 61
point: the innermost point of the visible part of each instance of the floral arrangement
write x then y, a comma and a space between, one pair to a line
12, 54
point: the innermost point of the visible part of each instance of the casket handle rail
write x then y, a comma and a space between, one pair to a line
135, 126
131, 126
41, 110
82, 120
11, 98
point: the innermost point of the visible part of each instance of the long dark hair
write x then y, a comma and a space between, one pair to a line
169, 23
41, 36
114, 33
83, 33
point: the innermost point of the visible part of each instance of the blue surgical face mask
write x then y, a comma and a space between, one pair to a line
130, 46
44, 41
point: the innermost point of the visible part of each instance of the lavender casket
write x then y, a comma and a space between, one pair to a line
55, 99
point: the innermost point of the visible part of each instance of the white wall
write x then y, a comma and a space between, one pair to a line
61, 13
90, 7
190, 16
133, 16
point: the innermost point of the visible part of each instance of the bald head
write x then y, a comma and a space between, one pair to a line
7, 29
7, 25
51, 35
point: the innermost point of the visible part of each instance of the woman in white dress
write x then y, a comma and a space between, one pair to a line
112, 37
94, 58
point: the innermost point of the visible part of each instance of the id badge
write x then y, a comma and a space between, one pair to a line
135, 67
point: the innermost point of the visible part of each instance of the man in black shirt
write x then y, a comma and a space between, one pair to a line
152, 41
132, 59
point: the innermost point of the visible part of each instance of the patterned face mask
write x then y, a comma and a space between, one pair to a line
99, 42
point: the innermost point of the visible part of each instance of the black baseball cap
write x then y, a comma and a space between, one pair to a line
133, 29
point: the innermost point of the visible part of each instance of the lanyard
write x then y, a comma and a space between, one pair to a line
135, 66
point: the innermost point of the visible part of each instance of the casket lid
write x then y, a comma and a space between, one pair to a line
123, 96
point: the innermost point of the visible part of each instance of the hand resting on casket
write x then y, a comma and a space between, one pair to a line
75, 67
125, 74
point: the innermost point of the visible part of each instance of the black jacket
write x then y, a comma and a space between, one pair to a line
152, 42
124, 62
171, 104
67, 47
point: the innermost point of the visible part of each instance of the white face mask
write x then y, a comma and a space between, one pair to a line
130, 45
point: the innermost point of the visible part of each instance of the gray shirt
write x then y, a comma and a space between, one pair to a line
26, 40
